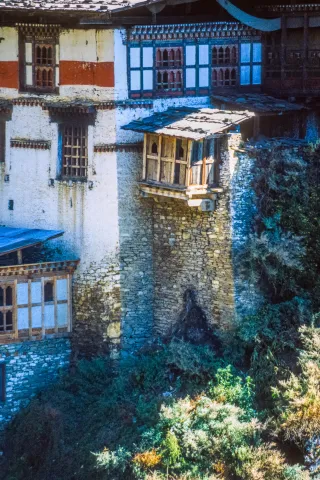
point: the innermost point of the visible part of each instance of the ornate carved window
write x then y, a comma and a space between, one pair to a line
74, 151
225, 55
39, 58
169, 69
224, 77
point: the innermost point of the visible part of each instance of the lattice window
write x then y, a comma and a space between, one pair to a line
169, 80
224, 77
225, 55
6, 308
75, 151
169, 72
169, 57
44, 68
39, 61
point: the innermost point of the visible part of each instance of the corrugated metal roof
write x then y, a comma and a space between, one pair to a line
256, 102
192, 123
13, 239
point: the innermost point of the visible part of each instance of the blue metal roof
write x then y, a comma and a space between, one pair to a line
13, 239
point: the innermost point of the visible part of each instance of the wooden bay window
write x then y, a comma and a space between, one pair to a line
181, 162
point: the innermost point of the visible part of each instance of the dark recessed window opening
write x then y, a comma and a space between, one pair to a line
10, 205
48, 292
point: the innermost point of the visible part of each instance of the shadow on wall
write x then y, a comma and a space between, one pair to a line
192, 325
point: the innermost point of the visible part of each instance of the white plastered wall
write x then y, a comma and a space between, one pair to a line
86, 211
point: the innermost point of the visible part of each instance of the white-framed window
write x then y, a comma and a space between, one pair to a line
250, 63
141, 62
40, 305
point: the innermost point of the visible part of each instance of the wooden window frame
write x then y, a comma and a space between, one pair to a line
251, 63
30, 331
161, 159
77, 167
173, 161
37, 40
4, 309
3, 382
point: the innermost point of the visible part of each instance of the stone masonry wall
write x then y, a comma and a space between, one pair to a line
243, 210
96, 309
136, 257
193, 250
30, 367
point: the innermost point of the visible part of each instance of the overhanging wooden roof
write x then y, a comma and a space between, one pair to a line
192, 123
255, 102
13, 239
74, 6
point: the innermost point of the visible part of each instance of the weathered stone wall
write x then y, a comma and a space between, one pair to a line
193, 250
243, 210
30, 367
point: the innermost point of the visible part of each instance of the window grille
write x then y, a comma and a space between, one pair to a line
225, 55
169, 71
75, 151
44, 68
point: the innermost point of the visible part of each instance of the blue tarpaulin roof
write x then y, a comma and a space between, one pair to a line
12, 239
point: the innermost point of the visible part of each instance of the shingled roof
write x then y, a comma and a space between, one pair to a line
192, 123
255, 102
98, 6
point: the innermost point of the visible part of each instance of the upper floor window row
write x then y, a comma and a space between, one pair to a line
174, 70
39, 62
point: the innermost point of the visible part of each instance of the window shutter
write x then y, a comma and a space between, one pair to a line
203, 54
2, 142
147, 57
190, 77
190, 55
256, 74
28, 64
135, 57
245, 52
57, 76
257, 52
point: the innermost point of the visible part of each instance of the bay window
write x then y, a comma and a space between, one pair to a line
181, 162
